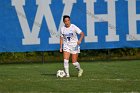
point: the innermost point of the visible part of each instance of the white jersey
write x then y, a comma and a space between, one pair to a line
70, 35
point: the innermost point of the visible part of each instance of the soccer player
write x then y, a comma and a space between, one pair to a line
70, 42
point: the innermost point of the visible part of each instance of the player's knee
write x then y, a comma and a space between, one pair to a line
66, 56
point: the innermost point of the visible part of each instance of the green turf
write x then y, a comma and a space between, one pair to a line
114, 77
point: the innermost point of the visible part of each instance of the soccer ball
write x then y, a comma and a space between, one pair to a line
60, 73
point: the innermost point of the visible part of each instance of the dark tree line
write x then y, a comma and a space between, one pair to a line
85, 55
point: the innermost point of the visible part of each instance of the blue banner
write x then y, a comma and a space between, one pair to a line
34, 25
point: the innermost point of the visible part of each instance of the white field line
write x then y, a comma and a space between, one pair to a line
77, 79
69, 79
26, 67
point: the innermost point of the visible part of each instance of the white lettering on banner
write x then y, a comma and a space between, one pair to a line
31, 37
110, 18
133, 18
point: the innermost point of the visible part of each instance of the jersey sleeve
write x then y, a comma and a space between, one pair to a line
78, 30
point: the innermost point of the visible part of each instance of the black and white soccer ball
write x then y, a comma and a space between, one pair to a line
61, 73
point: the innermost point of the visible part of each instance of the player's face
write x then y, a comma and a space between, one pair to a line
67, 22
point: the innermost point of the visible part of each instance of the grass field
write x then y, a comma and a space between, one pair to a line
113, 77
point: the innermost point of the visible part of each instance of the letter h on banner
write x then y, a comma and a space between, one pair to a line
110, 18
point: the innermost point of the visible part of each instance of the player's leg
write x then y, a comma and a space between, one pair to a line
76, 64
66, 62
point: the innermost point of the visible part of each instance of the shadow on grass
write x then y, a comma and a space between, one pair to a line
54, 75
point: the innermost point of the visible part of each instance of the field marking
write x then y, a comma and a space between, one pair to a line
21, 67
117, 79
90, 79
68, 79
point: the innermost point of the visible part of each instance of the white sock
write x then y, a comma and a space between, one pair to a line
77, 65
66, 66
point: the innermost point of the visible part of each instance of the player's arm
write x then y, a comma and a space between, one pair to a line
61, 43
78, 31
81, 38
61, 40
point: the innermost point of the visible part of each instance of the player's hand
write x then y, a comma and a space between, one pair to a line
79, 42
60, 49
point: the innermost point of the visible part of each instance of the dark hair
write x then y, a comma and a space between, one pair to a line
65, 16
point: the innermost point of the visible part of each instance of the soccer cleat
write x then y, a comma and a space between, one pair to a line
80, 72
67, 76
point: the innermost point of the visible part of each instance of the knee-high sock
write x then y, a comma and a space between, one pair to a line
77, 65
66, 66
